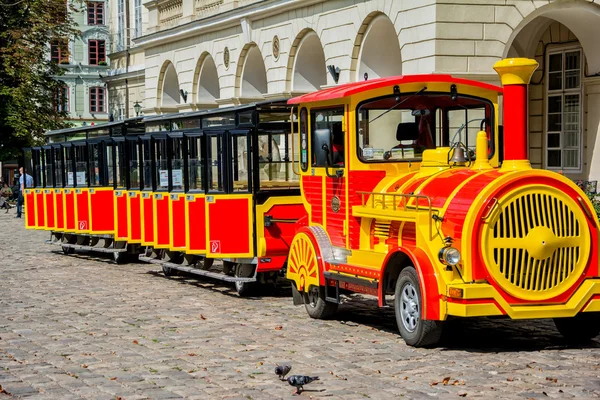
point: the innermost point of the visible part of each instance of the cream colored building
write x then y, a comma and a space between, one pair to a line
208, 53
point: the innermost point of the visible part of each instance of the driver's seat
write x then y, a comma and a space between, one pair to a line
407, 131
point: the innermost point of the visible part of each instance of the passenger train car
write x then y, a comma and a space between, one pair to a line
403, 188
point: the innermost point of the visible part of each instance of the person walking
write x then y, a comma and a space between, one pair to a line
25, 181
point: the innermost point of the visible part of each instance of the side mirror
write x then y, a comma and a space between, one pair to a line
322, 140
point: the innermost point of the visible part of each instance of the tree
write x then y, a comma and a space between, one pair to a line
27, 75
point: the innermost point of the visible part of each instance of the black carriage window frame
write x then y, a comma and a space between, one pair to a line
157, 186
119, 162
176, 139
221, 157
27, 160
76, 146
147, 178
67, 148
37, 163
303, 142
445, 139
48, 166
57, 150
133, 147
97, 178
201, 162
233, 164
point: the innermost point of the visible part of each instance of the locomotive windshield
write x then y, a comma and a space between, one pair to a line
401, 127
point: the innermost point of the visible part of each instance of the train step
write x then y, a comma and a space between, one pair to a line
336, 276
196, 271
93, 248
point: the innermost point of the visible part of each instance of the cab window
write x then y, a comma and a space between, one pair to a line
327, 144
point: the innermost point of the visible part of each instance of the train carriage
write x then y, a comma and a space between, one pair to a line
403, 188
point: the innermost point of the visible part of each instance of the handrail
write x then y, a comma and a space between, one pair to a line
403, 204
292, 132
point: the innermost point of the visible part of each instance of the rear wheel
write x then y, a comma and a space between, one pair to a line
579, 329
315, 304
245, 288
408, 305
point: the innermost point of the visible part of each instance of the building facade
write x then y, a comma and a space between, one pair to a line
208, 53
85, 62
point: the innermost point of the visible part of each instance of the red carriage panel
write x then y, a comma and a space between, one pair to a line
121, 215
102, 205
161, 217
195, 224
59, 206
83, 210
40, 210
147, 219
29, 206
177, 222
69, 210
134, 217
49, 208
230, 226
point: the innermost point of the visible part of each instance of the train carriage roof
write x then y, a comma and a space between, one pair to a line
349, 89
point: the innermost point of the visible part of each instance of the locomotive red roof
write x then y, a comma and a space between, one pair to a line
348, 89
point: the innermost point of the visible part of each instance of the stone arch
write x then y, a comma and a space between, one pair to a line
251, 75
206, 89
581, 18
307, 71
376, 49
168, 87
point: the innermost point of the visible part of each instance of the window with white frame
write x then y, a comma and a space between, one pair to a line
138, 17
564, 104
120, 25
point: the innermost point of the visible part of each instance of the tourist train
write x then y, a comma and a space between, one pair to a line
403, 188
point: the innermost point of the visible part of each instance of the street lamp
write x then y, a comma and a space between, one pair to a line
137, 107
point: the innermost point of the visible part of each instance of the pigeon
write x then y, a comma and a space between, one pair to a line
282, 371
298, 381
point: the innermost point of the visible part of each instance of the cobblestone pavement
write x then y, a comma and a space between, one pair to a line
82, 327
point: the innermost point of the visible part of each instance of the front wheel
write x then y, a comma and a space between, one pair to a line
408, 303
245, 288
316, 305
579, 329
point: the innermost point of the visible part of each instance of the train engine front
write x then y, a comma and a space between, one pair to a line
450, 223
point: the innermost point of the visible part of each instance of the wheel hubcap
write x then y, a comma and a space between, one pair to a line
410, 310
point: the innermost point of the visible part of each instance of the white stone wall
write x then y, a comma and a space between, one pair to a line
464, 38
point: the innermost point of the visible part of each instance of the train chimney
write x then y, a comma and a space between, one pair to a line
515, 74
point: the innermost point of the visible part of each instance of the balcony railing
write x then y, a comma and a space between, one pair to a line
169, 13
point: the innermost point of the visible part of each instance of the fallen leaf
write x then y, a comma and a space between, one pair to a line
113, 379
278, 327
510, 379
378, 371
202, 316
192, 354
330, 372
135, 342
455, 383
259, 363
446, 380
2, 390
433, 383
84, 366
406, 378
462, 394
551, 379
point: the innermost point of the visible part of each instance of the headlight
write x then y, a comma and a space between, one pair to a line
449, 256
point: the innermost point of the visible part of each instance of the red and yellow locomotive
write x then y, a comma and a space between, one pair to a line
400, 187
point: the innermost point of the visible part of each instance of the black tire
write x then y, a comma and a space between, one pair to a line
315, 304
168, 271
245, 289
579, 329
413, 328
68, 250
120, 257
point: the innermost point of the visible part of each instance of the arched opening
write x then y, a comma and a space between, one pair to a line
253, 76
562, 38
308, 70
379, 49
169, 90
206, 82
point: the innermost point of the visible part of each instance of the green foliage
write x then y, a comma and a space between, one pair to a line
27, 76
595, 199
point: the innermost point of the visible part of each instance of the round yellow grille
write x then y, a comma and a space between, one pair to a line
536, 243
